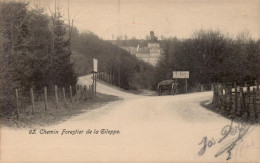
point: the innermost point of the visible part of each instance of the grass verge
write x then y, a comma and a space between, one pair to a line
55, 116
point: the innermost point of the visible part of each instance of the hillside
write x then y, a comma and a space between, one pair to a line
128, 71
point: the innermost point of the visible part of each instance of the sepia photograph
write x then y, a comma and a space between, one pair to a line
129, 81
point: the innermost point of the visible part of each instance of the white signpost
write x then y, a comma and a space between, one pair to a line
95, 65
181, 75
95, 70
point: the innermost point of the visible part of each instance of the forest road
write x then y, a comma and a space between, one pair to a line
137, 128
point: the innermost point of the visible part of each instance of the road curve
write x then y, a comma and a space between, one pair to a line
146, 129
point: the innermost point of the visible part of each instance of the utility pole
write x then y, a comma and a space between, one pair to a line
69, 23
118, 20
55, 8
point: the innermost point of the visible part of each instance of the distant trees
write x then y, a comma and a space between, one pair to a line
210, 57
33, 52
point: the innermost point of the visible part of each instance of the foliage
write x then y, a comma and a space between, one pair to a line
210, 57
34, 52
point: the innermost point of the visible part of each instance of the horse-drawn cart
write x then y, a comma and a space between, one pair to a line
169, 85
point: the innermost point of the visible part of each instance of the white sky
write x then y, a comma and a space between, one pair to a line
169, 18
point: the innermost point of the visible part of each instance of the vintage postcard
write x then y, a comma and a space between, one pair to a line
129, 81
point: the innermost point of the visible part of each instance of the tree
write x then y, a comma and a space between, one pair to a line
30, 56
38, 48
61, 69
13, 63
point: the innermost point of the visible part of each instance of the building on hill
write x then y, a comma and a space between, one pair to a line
148, 52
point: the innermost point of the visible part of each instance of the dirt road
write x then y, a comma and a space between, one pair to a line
137, 129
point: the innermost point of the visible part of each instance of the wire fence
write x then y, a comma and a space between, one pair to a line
46, 99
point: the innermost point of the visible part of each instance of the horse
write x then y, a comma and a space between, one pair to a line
169, 85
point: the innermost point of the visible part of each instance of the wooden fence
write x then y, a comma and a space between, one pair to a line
111, 77
237, 101
28, 102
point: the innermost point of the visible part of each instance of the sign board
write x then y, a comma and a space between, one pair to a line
181, 74
95, 65
153, 45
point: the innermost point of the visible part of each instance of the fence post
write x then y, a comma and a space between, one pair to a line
92, 91
109, 76
248, 88
32, 98
215, 96
119, 78
56, 97
85, 92
186, 86
17, 105
176, 87
71, 98
241, 98
64, 95
114, 77
221, 90
92, 88
81, 92
89, 89
45, 99
106, 77
248, 103
221, 95
254, 103
257, 86
245, 84
77, 92
201, 88
235, 85
95, 86
225, 99
230, 98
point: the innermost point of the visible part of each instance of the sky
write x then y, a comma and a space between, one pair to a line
168, 18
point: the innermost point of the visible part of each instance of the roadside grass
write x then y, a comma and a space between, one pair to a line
55, 115
230, 115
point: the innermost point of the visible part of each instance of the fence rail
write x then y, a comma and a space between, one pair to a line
45, 99
109, 77
238, 101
